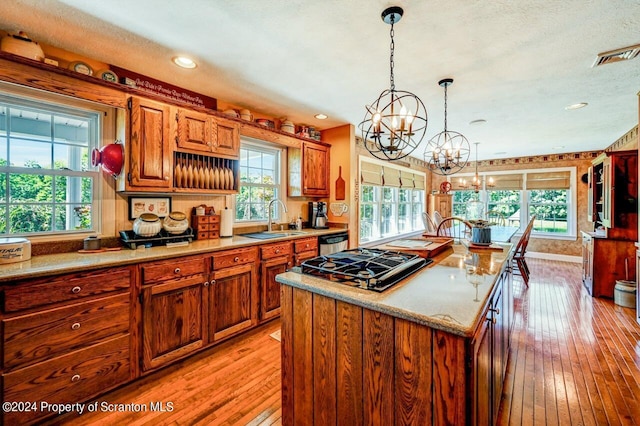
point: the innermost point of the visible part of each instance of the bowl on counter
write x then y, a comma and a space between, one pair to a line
147, 225
175, 223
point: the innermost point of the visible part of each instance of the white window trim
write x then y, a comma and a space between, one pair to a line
102, 190
282, 187
572, 219
388, 164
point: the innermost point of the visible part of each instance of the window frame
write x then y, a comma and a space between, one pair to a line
379, 204
281, 192
101, 131
572, 207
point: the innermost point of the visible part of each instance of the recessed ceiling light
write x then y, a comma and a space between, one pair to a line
321, 116
576, 106
183, 62
478, 122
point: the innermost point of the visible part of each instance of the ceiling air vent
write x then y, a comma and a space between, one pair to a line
617, 55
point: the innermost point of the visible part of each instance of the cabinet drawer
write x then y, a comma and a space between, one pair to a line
63, 288
226, 259
302, 256
43, 335
71, 378
172, 269
275, 250
305, 244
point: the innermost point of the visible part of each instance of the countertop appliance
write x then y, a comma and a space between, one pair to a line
371, 269
334, 243
318, 215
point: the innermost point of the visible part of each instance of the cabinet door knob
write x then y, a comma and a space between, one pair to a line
206, 284
76, 289
306, 245
277, 251
75, 378
75, 326
166, 178
177, 270
494, 320
236, 259
213, 282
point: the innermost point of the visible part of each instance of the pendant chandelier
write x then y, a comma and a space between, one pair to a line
396, 122
447, 152
476, 183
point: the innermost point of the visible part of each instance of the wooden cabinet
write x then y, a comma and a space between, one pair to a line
274, 259
198, 131
637, 292
303, 249
360, 366
604, 263
173, 309
442, 203
65, 338
613, 194
308, 170
149, 152
232, 299
491, 352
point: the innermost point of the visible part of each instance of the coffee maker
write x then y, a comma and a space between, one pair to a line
318, 215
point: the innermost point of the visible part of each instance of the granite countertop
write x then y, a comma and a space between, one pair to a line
440, 296
52, 264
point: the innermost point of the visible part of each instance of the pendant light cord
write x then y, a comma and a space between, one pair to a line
392, 47
445, 107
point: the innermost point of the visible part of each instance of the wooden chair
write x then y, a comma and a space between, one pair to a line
521, 249
494, 216
437, 218
454, 227
429, 225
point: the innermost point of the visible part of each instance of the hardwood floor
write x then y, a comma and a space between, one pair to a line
575, 360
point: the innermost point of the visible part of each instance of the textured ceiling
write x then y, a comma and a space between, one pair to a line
516, 63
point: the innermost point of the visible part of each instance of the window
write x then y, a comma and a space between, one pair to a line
549, 194
392, 200
260, 182
49, 186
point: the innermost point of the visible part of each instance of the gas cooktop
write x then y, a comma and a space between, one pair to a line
371, 269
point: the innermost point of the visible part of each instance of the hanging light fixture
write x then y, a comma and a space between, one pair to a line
447, 152
476, 182
396, 122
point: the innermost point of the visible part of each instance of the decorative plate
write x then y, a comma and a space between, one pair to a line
107, 75
81, 67
445, 187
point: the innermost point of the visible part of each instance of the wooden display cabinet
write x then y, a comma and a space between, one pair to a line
308, 170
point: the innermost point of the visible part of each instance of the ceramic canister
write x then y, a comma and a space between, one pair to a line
14, 250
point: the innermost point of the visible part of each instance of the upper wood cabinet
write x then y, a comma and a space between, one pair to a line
613, 194
198, 131
149, 155
308, 170
442, 203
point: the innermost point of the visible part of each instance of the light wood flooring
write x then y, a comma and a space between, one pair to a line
575, 360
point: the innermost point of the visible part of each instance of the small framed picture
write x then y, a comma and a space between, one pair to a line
160, 206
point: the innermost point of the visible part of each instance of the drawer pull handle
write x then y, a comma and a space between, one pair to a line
75, 378
236, 259
177, 270
206, 284
75, 326
76, 290
306, 245
277, 251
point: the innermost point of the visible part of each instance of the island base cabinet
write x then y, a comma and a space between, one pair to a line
68, 379
340, 361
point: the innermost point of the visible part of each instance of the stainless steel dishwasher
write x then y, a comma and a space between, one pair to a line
333, 243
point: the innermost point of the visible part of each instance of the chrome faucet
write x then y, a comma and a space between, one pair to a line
269, 211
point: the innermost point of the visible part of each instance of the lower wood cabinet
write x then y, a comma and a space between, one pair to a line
275, 259
604, 263
303, 249
233, 293
173, 320
66, 338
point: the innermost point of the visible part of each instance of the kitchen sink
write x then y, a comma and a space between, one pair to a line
273, 234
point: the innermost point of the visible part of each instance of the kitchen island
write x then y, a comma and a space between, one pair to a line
432, 349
